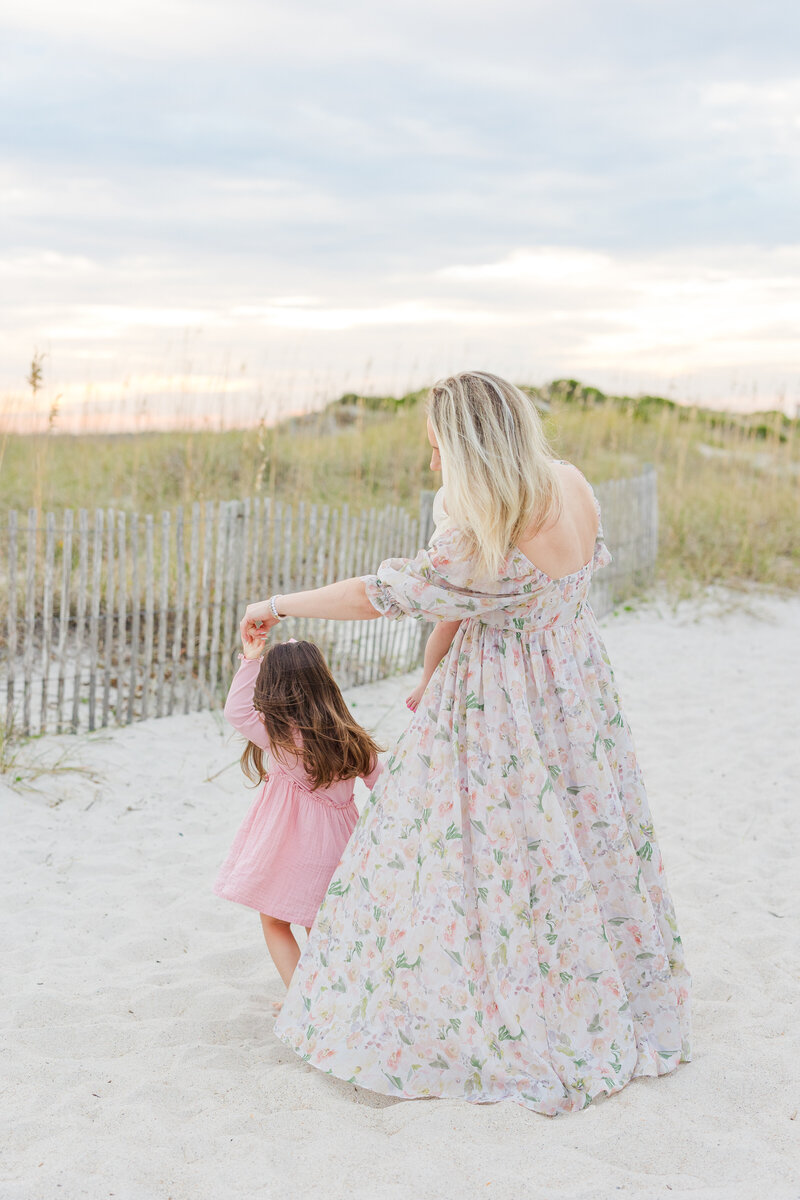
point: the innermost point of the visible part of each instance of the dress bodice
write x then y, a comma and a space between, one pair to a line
338, 794
444, 583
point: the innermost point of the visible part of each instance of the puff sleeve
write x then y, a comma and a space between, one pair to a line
442, 584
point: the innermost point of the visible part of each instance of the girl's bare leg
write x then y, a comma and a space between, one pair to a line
283, 948
282, 945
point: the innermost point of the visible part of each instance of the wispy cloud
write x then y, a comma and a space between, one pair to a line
610, 190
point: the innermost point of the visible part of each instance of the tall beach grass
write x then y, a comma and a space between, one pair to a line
729, 484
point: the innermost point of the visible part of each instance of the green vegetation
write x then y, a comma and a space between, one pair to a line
729, 484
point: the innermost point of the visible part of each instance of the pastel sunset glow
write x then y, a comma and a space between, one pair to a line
220, 214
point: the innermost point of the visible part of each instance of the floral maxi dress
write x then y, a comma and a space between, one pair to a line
499, 927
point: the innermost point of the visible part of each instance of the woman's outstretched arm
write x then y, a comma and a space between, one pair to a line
343, 601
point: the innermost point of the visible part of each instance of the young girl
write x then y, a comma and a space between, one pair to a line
441, 636
289, 844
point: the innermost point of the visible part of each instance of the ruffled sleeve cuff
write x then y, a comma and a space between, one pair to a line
380, 597
602, 555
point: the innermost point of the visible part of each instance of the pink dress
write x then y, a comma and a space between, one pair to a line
291, 840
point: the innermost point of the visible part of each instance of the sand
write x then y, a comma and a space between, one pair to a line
138, 1054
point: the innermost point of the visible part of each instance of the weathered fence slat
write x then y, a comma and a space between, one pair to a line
216, 612
163, 613
47, 614
203, 693
80, 620
108, 642
229, 582
11, 624
287, 581
30, 621
242, 558
274, 583
256, 551
264, 575
122, 615
136, 602
177, 635
63, 616
191, 609
149, 613
94, 612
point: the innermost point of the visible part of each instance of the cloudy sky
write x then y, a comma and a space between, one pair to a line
242, 208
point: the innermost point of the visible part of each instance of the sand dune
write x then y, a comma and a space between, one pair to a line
138, 1055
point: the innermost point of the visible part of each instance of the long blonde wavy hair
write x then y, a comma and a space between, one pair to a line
497, 467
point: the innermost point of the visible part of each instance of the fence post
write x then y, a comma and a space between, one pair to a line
94, 613
63, 614
180, 584
47, 614
163, 612
80, 617
11, 559
149, 615
122, 613
135, 611
191, 609
30, 620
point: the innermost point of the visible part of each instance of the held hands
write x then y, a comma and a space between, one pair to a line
253, 645
256, 624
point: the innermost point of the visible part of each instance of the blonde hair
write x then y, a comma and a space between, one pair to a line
497, 467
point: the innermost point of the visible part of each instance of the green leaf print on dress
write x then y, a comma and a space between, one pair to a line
504, 884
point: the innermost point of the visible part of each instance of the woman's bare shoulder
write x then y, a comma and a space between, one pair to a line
575, 484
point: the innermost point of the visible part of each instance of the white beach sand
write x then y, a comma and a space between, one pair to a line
138, 1055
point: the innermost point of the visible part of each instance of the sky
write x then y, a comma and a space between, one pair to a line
224, 212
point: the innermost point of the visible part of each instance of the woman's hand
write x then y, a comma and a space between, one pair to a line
257, 621
413, 700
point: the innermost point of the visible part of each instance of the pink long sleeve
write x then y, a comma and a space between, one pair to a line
239, 709
370, 779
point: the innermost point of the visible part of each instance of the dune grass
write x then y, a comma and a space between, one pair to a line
729, 485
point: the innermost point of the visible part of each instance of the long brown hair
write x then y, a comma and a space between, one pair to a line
295, 693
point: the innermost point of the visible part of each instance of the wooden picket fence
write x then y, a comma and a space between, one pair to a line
113, 617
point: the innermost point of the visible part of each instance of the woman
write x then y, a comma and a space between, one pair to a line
500, 925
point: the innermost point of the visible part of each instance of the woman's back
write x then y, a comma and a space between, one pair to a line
565, 544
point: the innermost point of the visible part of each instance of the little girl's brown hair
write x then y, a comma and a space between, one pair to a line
295, 693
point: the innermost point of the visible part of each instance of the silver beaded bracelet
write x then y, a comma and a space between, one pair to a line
273, 609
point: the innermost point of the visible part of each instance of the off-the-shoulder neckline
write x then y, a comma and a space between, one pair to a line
572, 574
553, 578
515, 551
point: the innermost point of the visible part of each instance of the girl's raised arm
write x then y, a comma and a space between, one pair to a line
239, 711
